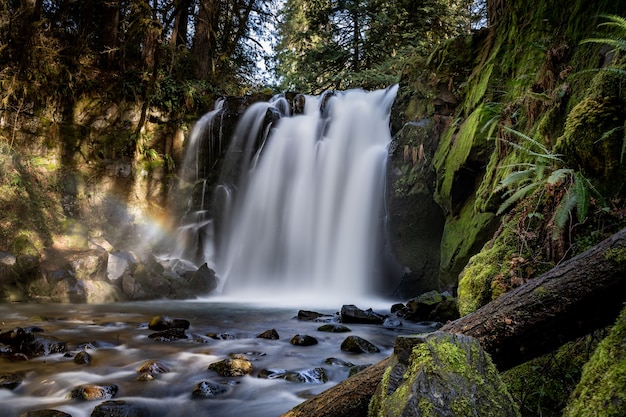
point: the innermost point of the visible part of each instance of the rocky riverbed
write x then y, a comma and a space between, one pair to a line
172, 358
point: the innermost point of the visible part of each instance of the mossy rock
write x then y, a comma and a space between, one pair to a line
24, 246
602, 388
441, 374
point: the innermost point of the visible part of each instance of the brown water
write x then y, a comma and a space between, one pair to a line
118, 336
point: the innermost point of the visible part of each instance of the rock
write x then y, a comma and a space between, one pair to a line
430, 306
357, 368
165, 323
390, 323
118, 408
120, 264
45, 413
238, 365
89, 264
202, 281
307, 315
356, 344
352, 314
168, 335
221, 336
208, 389
441, 374
303, 340
397, 307
93, 392
153, 367
338, 362
82, 358
334, 328
34, 344
8, 273
9, 381
271, 334
303, 376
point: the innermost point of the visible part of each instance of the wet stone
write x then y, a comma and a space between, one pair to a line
168, 335
152, 367
118, 408
221, 336
208, 389
334, 328
236, 366
338, 362
92, 392
307, 376
307, 315
303, 340
352, 314
356, 344
45, 413
9, 381
165, 323
271, 334
82, 358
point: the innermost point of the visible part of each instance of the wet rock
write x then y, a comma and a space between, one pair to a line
334, 328
238, 365
307, 315
352, 314
303, 340
164, 323
271, 334
338, 362
356, 369
45, 413
153, 367
356, 344
221, 336
208, 389
9, 381
120, 264
391, 323
93, 392
430, 306
31, 343
304, 376
89, 265
82, 358
201, 281
396, 307
168, 335
118, 408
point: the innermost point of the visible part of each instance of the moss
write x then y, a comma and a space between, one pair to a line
444, 375
617, 255
603, 382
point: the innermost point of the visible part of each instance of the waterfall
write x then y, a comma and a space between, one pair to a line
299, 208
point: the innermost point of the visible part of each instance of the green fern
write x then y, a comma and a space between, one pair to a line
617, 41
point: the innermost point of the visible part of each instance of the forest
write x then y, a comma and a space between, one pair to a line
509, 145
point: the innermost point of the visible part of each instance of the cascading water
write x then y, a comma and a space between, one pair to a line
299, 210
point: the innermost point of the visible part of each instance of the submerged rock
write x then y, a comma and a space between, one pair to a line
168, 335
352, 314
118, 408
334, 328
208, 389
238, 365
82, 358
9, 380
152, 367
45, 413
303, 340
356, 344
93, 392
307, 315
441, 374
303, 376
338, 362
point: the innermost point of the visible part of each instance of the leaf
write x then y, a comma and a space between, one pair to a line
563, 211
517, 196
582, 197
559, 175
516, 177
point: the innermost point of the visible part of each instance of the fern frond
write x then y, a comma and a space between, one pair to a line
527, 138
520, 194
582, 196
559, 174
516, 177
564, 210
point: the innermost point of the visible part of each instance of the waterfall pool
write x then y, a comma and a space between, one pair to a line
117, 338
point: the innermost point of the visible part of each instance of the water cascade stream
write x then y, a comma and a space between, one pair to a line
299, 209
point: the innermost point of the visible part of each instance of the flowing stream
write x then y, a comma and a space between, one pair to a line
116, 337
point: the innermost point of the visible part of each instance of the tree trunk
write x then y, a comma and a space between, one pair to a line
576, 297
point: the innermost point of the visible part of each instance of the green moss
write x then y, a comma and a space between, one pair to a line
603, 383
617, 255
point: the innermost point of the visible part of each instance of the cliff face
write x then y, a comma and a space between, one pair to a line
516, 132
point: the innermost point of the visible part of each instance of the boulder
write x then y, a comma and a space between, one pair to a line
202, 281
45, 413
441, 374
304, 376
9, 380
334, 328
430, 306
120, 264
352, 314
356, 344
271, 334
82, 358
165, 323
121, 408
94, 392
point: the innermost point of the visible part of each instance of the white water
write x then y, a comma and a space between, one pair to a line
301, 201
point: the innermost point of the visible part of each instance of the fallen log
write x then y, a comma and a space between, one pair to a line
574, 298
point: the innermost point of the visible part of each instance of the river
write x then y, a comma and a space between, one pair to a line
117, 339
